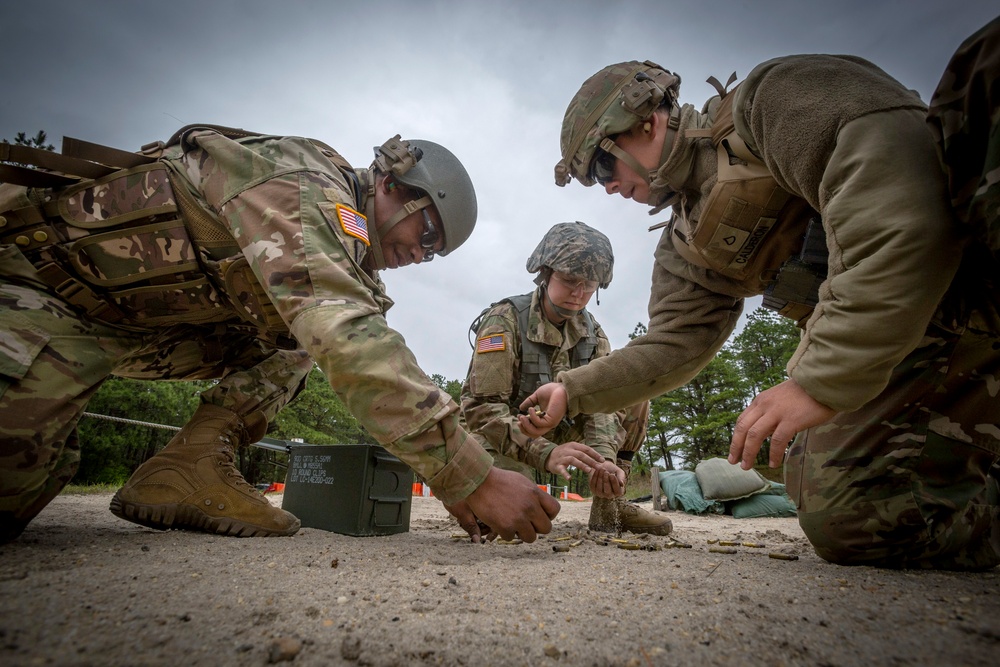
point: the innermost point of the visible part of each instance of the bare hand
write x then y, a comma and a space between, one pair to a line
552, 399
607, 481
779, 413
574, 454
476, 529
512, 506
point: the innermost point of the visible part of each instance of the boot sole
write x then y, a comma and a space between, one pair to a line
186, 517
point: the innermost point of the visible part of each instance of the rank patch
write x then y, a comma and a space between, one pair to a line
354, 223
493, 343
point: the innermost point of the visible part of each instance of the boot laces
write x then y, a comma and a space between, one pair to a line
228, 461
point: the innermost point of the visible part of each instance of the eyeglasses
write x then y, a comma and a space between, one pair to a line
574, 284
602, 167
429, 238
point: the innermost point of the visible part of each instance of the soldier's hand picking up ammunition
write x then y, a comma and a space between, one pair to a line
513, 506
477, 530
574, 454
777, 413
607, 480
552, 400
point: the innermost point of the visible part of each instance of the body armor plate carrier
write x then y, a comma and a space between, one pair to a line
752, 230
127, 243
536, 368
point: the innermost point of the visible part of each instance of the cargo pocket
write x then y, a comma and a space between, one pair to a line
20, 343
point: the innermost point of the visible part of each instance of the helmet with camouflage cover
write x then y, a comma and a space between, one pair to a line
575, 249
439, 175
612, 101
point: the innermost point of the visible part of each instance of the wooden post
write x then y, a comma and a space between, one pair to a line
656, 490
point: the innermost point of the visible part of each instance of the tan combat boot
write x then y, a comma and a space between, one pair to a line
194, 484
618, 515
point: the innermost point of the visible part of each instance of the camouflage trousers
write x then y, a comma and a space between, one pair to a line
908, 480
964, 116
52, 362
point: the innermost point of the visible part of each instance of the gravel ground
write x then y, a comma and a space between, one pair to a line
82, 587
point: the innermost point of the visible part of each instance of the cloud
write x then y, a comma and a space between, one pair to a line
489, 80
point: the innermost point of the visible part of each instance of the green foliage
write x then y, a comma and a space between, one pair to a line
319, 417
763, 349
452, 387
40, 140
110, 449
696, 421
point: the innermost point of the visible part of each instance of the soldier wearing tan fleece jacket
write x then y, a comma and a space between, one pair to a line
893, 390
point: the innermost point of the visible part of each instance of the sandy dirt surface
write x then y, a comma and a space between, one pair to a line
82, 587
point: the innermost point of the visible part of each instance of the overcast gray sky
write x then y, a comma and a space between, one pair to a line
489, 80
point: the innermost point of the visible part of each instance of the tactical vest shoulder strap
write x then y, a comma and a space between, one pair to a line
584, 348
536, 366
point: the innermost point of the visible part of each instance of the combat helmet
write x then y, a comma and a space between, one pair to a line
612, 101
576, 249
435, 171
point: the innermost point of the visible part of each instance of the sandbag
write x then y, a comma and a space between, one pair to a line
719, 480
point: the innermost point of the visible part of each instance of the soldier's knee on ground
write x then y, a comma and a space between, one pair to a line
893, 533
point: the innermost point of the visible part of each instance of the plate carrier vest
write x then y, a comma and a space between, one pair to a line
536, 369
124, 239
751, 229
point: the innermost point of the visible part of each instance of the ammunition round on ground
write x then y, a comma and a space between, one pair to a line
630, 546
560, 548
721, 550
783, 556
753, 545
728, 543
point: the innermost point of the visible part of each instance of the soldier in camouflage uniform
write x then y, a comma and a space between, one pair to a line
965, 120
815, 183
227, 255
522, 342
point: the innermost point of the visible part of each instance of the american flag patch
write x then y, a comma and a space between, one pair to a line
494, 343
353, 223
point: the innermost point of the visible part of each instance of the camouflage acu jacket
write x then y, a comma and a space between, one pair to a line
266, 215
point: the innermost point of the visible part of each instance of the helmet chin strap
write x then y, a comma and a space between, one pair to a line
375, 232
565, 313
648, 175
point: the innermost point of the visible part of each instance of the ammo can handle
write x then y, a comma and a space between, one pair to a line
387, 458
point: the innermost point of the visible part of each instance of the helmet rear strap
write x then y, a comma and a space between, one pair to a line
373, 232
